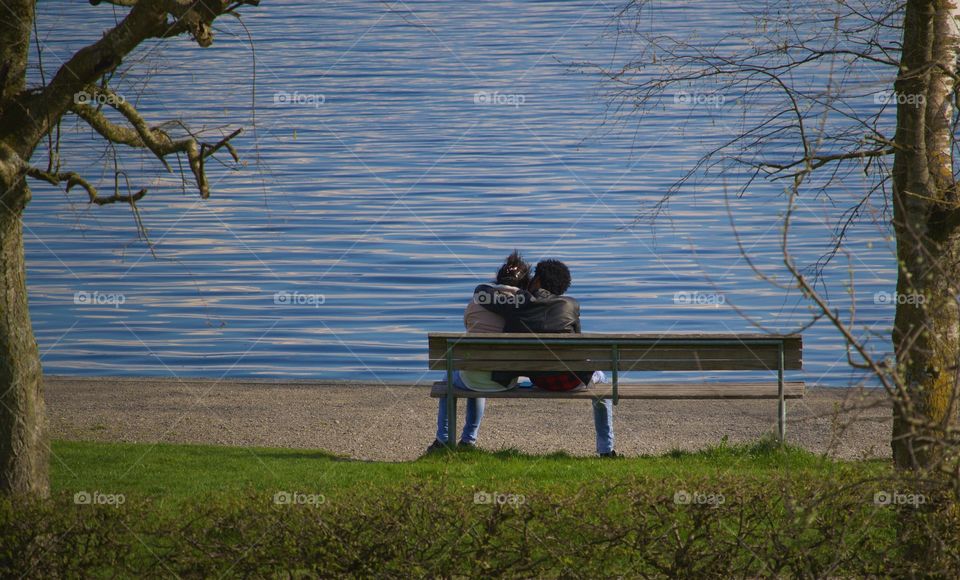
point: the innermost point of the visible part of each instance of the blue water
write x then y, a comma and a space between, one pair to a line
379, 208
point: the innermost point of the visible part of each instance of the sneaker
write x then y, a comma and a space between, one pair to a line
437, 445
466, 445
612, 454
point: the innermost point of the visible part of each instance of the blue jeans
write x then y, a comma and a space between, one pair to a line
471, 424
603, 423
602, 419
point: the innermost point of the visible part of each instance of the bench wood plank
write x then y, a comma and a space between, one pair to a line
626, 336
606, 365
717, 390
593, 352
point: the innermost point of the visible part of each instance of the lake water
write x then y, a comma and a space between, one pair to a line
397, 157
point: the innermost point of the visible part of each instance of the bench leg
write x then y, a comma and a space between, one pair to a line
451, 420
781, 402
451, 403
782, 420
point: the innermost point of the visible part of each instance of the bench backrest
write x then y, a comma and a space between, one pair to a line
633, 352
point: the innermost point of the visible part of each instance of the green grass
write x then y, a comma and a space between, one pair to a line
173, 474
200, 510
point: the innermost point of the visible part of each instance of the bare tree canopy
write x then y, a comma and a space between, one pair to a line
806, 75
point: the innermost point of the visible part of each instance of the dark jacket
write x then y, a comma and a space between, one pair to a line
541, 311
538, 312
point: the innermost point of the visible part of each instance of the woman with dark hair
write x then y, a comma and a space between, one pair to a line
512, 277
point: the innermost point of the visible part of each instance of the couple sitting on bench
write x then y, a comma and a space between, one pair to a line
518, 302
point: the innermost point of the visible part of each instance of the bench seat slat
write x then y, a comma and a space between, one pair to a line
606, 364
715, 390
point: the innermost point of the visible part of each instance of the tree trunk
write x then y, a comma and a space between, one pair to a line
925, 335
24, 450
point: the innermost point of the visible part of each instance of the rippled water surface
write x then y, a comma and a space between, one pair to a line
378, 209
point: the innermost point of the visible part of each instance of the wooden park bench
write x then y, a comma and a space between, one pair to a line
622, 353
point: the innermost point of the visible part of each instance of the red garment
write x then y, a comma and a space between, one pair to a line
557, 382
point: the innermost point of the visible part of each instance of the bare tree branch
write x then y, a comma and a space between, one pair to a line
155, 139
74, 179
147, 19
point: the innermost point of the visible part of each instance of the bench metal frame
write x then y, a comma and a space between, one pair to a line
777, 341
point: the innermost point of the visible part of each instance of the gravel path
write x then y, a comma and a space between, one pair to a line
397, 422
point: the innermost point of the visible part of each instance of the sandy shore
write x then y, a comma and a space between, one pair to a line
397, 422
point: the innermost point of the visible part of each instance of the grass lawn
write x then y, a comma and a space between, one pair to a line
200, 511
175, 474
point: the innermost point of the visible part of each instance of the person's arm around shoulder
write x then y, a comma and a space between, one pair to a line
499, 300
